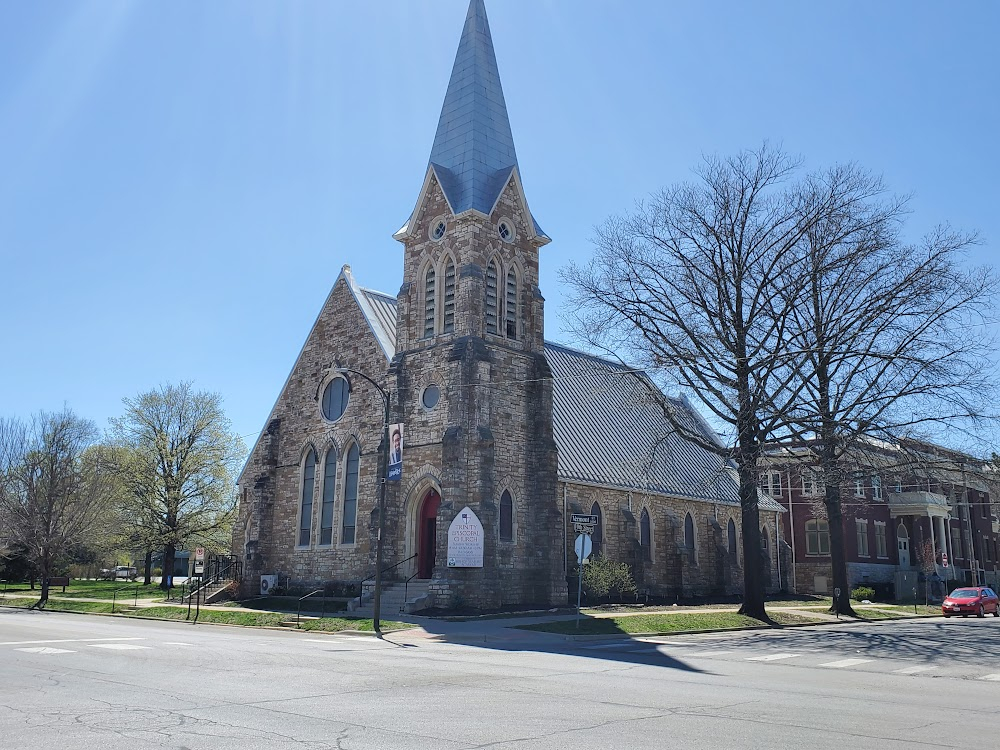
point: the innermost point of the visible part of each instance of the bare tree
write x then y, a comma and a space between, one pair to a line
178, 457
893, 335
685, 286
54, 488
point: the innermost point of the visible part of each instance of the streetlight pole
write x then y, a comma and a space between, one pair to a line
384, 453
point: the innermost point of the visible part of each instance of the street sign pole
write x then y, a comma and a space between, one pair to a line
583, 548
579, 594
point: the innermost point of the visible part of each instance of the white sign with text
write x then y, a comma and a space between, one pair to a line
465, 540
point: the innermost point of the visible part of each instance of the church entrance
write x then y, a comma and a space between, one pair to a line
427, 534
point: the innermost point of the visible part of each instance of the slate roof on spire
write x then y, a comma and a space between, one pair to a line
473, 153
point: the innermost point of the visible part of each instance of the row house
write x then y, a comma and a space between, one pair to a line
911, 511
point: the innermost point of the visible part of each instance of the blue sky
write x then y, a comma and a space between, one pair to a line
180, 183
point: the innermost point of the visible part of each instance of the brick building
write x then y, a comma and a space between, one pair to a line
500, 427
908, 508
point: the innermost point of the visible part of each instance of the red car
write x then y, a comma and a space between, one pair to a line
976, 600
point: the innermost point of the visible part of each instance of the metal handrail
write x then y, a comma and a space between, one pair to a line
385, 570
298, 612
406, 589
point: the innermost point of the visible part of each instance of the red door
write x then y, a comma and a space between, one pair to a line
427, 534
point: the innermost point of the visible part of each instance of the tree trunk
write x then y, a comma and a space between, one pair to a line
753, 572
168, 567
838, 557
148, 564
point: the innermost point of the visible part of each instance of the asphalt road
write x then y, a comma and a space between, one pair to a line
78, 682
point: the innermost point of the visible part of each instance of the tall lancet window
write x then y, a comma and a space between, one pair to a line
511, 304
449, 297
429, 303
492, 313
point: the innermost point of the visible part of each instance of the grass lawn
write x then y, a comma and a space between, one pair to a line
334, 624
56, 605
226, 617
93, 590
287, 604
662, 623
802, 601
906, 608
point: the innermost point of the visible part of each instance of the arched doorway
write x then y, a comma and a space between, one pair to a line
903, 545
427, 534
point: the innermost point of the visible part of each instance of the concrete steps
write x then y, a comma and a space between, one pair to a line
397, 598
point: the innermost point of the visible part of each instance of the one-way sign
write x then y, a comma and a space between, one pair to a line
584, 519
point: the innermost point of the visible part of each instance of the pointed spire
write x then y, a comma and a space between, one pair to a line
473, 151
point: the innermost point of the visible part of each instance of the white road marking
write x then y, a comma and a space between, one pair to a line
607, 646
710, 653
913, 670
45, 650
991, 677
67, 640
772, 657
176, 643
845, 663
117, 646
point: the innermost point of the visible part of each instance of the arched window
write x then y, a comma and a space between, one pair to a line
731, 534
597, 537
429, 303
335, 398
329, 493
511, 306
350, 495
506, 517
305, 516
765, 538
817, 537
449, 297
492, 301
645, 539
689, 534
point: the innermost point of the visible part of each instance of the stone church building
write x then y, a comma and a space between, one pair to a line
500, 428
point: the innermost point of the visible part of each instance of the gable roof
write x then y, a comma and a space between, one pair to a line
608, 430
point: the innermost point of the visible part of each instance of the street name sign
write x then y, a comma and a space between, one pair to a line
584, 518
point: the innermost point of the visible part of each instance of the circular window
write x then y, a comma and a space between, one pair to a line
506, 230
438, 229
335, 397
432, 394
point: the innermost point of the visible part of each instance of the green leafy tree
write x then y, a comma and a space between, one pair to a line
178, 458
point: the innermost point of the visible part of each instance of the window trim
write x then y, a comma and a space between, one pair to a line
330, 453
861, 534
324, 386
821, 530
646, 527
513, 517
303, 461
352, 445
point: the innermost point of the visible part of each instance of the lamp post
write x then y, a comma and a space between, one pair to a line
384, 452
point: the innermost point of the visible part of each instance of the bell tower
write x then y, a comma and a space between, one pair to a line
470, 329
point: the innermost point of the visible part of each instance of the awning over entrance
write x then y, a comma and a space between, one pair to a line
918, 503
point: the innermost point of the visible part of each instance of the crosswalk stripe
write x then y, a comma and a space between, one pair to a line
45, 650
845, 663
176, 643
117, 646
67, 640
772, 657
991, 677
913, 670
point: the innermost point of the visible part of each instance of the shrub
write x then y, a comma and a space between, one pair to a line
861, 593
605, 578
157, 572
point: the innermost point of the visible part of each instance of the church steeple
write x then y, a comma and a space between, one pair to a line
473, 152
473, 156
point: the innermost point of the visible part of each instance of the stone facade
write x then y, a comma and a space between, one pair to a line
670, 566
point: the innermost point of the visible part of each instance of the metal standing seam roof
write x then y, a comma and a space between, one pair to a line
607, 428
